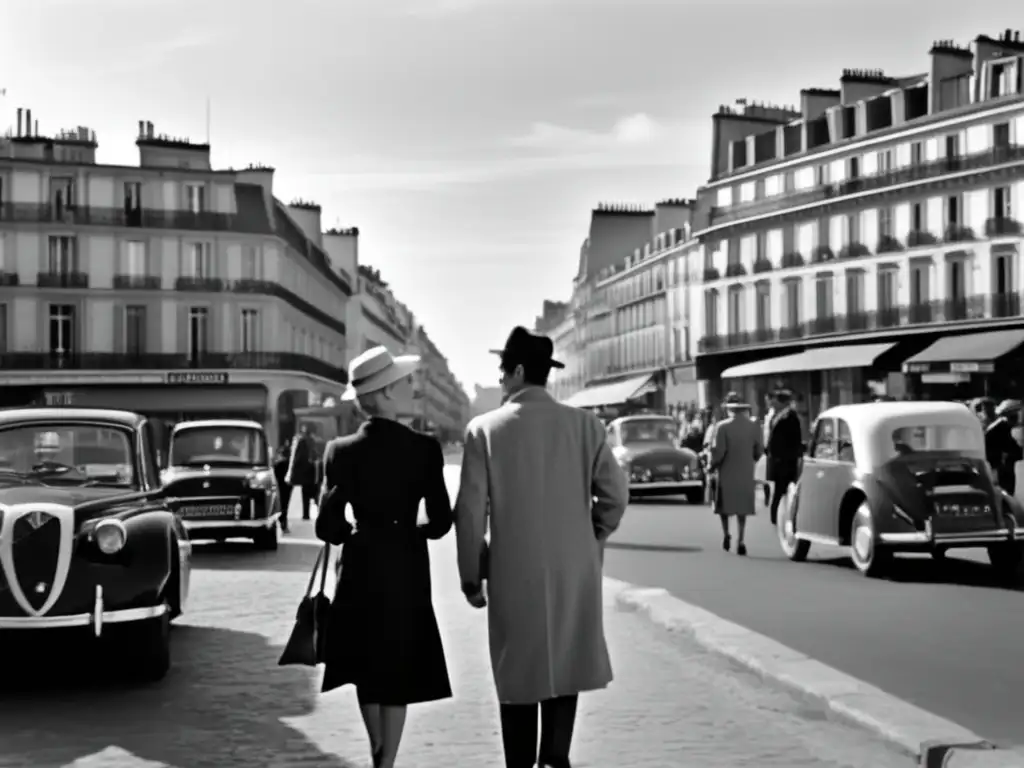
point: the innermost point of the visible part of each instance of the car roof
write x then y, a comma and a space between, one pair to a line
642, 417
234, 423
875, 413
29, 415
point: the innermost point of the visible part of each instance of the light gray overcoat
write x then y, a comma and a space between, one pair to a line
735, 449
541, 476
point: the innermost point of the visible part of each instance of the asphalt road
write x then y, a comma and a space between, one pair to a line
945, 637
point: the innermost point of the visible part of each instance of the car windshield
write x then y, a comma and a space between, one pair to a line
921, 438
648, 431
61, 453
218, 445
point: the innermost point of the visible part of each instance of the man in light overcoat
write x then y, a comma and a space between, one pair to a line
541, 477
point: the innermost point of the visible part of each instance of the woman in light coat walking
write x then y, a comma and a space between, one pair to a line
735, 449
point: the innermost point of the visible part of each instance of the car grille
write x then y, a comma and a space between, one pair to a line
34, 554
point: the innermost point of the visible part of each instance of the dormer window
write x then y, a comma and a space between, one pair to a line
1002, 77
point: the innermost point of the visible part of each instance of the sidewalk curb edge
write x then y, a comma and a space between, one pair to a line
911, 729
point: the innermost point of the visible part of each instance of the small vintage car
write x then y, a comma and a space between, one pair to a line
645, 447
86, 538
888, 477
220, 476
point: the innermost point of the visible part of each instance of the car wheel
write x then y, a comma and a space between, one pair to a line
150, 646
1007, 559
868, 558
792, 547
266, 539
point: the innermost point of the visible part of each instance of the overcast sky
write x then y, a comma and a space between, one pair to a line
467, 139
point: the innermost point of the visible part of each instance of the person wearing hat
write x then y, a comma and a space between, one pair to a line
784, 448
1001, 449
540, 476
382, 634
735, 449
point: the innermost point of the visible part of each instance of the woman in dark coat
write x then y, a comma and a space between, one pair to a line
383, 635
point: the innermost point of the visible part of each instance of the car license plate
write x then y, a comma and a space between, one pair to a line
947, 509
208, 510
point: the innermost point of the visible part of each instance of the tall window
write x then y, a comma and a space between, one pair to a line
198, 333
63, 256
735, 309
917, 217
195, 196
62, 329
823, 287
917, 153
3, 329
62, 193
199, 261
1001, 135
1003, 268
952, 146
954, 210
250, 341
132, 196
885, 161
764, 306
710, 313
1001, 203
886, 289
854, 292
794, 296
851, 229
885, 217
957, 283
135, 330
919, 285
250, 263
133, 258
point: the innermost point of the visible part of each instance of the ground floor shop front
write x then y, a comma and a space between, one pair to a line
270, 398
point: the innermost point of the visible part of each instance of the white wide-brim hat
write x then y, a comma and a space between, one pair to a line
376, 369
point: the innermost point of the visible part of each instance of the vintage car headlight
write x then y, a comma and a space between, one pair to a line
110, 536
260, 479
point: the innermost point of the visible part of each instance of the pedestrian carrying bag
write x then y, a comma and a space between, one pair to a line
308, 642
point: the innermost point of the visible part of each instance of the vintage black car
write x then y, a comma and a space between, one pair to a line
645, 447
882, 478
221, 477
86, 539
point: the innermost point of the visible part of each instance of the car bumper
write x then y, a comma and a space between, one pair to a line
667, 486
243, 527
97, 619
928, 539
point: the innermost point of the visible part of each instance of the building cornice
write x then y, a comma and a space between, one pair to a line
651, 261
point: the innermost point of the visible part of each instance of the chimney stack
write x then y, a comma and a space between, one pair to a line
35, 128
149, 130
1008, 36
28, 123
142, 128
19, 121
1016, 36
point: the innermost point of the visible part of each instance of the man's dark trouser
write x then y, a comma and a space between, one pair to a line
286, 499
308, 495
519, 733
784, 476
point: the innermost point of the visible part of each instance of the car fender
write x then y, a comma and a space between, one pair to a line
151, 540
1012, 506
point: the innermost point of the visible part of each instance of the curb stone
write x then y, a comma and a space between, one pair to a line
934, 740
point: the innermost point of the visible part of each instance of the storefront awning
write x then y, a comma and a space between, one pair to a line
818, 359
615, 393
970, 353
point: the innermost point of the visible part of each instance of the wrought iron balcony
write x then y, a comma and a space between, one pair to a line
201, 284
137, 282
8, 278
761, 266
735, 270
821, 253
979, 161
978, 307
888, 244
854, 251
103, 361
41, 213
957, 233
1002, 226
62, 279
792, 259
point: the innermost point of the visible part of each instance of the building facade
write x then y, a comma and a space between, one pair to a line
630, 326
443, 405
169, 287
843, 241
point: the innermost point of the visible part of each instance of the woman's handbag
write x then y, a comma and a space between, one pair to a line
308, 642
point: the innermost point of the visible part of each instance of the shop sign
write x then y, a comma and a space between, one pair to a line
916, 367
971, 367
197, 377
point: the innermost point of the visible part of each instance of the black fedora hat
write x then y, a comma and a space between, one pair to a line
523, 347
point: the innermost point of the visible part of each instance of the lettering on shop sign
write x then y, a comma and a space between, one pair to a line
916, 368
197, 377
59, 399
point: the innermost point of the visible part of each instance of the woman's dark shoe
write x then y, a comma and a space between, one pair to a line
727, 542
378, 758
741, 549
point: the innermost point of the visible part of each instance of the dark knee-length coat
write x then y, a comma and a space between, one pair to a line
383, 635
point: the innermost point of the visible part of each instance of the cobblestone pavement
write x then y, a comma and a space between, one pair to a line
227, 703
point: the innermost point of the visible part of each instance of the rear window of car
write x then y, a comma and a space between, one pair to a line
921, 438
648, 431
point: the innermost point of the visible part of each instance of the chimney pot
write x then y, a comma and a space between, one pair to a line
1016, 36
1007, 36
142, 128
35, 128
149, 129
28, 123
19, 121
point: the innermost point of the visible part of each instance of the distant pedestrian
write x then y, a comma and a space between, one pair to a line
735, 449
302, 468
383, 636
784, 448
540, 476
1001, 449
281, 459
766, 431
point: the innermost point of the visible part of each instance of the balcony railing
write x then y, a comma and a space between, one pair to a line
9, 278
978, 307
201, 284
137, 282
876, 182
41, 213
957, 233
62, 280
103, 361
1002, 226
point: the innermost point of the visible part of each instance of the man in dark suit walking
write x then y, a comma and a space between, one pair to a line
785, 447
302, 470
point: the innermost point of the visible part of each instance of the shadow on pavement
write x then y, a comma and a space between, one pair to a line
240, 556
627, 545
221, 705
